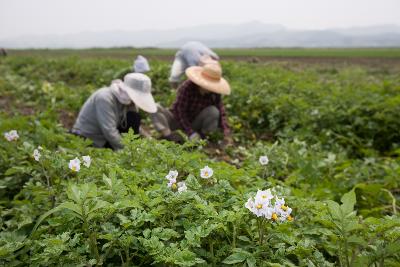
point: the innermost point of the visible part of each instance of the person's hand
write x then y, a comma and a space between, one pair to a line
194, 136
144, 133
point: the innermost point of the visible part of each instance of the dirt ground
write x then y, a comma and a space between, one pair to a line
9, 106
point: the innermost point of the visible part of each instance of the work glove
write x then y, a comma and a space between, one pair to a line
194, 136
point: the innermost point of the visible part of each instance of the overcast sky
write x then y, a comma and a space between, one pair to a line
21, 17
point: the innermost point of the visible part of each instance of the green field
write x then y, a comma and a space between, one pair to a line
256, 52
331, 133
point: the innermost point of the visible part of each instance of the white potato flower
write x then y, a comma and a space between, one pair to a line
264, 195
36, 154
11, 135
206, 172
172, 183
281, 210
182, 187
257, 207
314, 112
260, 208
263, 160
269, 212
268, 206
75, 165
250, 204
87, 161
173, 174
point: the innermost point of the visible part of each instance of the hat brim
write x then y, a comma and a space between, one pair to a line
142, 100
220, 86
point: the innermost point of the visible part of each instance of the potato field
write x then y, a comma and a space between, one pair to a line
319, 140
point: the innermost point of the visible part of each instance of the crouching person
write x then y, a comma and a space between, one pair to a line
140, 65
112, 110
198, 109
189, 55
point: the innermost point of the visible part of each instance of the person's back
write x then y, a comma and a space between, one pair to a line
113, 110
193, 51
189, 55
90, 122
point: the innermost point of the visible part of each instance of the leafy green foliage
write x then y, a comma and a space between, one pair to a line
331, 137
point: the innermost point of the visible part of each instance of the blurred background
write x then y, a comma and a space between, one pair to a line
219, 24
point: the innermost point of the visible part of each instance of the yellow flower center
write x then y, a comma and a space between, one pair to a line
206, 173
174, 186
264, 196
259, 206
73, 168
283, 207
290, 218
274, 217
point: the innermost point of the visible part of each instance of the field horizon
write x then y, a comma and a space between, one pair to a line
295, 52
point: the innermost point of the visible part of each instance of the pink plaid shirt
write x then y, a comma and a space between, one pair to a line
190, 102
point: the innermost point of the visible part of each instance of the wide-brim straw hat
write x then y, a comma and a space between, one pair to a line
209, 77
138, 87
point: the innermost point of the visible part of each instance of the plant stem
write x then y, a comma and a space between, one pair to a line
393, 200
382, 262
91, 236
46, 175
122, 258
234, 236
49, 186
212, 253
127, 256
93, 242
346, 248
261, 230
340, 254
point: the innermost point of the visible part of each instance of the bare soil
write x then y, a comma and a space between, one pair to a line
67, 118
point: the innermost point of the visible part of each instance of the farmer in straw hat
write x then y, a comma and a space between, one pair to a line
189, 55
112, 110
198, 109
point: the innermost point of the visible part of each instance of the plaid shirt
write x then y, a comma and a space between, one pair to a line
190, 102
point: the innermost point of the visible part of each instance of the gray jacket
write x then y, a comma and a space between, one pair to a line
100, 117
191, 52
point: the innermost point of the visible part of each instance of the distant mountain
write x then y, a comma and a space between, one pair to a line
252, 34
372, 30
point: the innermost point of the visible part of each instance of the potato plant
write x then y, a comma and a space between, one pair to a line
326, 142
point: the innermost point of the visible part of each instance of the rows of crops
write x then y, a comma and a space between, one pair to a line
331, 135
